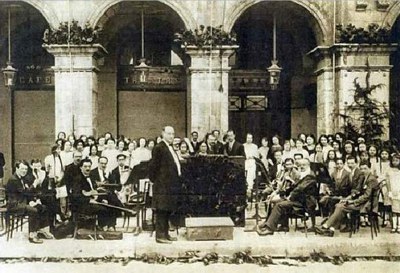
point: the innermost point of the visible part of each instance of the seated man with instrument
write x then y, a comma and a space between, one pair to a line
358, 201
301, 198
285, 182
88, 199
21, 200
119, 178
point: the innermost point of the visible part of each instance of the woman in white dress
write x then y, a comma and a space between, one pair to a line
263, 151
67, 154
393, 187
111, 153
251, 151
141, 154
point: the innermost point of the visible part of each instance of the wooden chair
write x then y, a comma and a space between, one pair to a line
138, 203
372, 216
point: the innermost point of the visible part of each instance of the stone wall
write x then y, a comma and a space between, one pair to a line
143, 114
34, 124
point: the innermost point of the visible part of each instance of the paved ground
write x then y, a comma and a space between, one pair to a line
291, 244
365, 267
280, 247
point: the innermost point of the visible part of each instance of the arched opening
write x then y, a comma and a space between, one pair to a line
28, 110
141, 108
255, 108
394, 90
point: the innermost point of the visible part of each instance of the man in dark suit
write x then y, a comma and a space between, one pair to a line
99, 174
232, 147
195, 141
301, 197
212, 148
219, 146
165, 172
355, 175
21, 200
84, 199
277, 169
359, 200
120, 174
340, 188
72, 170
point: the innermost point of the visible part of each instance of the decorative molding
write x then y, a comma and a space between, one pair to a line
382, 5
361, 5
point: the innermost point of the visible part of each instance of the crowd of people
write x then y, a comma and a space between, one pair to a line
69, 178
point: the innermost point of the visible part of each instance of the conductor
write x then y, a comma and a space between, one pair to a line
165, 172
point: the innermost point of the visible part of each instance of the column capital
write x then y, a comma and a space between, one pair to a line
204, 58
94, 50
76, 58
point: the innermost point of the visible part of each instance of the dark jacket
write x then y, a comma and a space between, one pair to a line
115, 178
95, 176
71, 172
237, 149
367, 191
305, 192
342, 185
77, 198
163, 172
356, 180
16, 194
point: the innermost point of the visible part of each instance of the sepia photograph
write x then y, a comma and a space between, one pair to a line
199, 136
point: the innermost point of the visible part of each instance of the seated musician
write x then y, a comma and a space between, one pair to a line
285, 182
120, 177
276, 165
302, 197
358, 201
340, 189
99, 175
87, 198
45, 187
21, 201
120, 174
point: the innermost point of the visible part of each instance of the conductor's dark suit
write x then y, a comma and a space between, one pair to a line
163, 172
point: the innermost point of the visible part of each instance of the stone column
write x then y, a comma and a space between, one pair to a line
75, 80
325, 91
352, 64
207, 100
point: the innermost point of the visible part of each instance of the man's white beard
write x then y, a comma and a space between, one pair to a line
305, 173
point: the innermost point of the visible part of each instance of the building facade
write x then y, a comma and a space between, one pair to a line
94, 88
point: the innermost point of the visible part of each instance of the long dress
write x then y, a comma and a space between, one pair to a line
251, 151
263, 153
393, 185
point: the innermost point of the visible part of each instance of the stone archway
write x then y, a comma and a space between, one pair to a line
322, 29
392, 15
106, 7
47, 11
